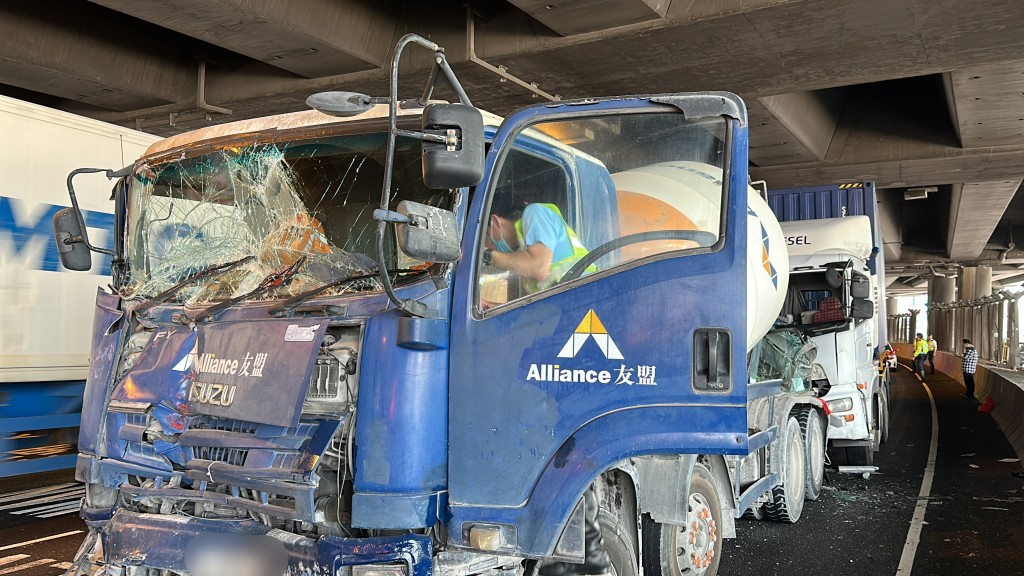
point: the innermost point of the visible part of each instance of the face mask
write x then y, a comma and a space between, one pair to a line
499, 243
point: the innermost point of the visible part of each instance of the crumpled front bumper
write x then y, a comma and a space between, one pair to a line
183, 544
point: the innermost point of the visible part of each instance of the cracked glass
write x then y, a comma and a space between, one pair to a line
279, 202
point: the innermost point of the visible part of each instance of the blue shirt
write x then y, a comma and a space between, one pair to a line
542, 224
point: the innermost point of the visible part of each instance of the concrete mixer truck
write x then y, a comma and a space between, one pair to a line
310, 362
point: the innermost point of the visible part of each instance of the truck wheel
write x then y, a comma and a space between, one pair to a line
814, 449
618, 530
691, 550
788, 498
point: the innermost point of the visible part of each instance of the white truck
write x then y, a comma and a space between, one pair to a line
835, 299
45, 310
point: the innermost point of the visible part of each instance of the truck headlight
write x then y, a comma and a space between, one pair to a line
841, 405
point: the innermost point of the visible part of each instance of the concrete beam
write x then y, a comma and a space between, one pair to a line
975, 209
955, 165
84, 53
570, 17
323, 38
810, 117
889, 220
989, 109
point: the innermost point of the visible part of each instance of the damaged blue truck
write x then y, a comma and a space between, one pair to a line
304, 365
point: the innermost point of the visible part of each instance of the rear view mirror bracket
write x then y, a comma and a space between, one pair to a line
69, 230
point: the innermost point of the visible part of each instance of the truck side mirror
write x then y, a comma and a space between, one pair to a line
69, 235
861, 309
430, 234
459, 161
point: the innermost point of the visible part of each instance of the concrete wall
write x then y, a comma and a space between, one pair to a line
1005, 387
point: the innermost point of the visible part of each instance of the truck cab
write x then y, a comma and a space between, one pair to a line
306, 364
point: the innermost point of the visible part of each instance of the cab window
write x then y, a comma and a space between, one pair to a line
581, 196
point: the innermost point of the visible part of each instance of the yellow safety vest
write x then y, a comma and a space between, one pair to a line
920, 347
559, 268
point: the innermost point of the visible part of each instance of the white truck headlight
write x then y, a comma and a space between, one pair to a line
841, 405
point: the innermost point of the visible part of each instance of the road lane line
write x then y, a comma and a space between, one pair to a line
21, 567
27, 542
77, 502
62, 565
60, 512
76, 494
917, 522
12, 496
13, 558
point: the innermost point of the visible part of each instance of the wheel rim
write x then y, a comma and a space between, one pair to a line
816, 452
697, 539
795, 473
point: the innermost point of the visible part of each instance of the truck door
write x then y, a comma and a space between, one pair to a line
634, 342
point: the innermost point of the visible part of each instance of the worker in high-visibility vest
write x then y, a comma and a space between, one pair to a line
532, 241
920, 354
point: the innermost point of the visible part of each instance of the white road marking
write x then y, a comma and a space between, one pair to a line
21, 567
60, 511
12, 558
917, 522
62, 565
75, 494
51, 507
23, 494
27, 542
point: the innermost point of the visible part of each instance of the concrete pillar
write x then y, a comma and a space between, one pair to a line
983, 282
890, 305
967, 281
943, 289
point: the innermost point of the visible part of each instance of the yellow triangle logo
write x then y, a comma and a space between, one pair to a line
591, 327
591, 324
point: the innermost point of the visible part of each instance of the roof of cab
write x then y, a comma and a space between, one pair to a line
288, 121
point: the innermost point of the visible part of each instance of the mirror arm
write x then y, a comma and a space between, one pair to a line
84, 239
440, 139
409, 306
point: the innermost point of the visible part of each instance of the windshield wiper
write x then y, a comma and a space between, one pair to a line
291, 303
204, 273
273, 280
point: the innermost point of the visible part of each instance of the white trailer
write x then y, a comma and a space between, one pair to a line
46, 310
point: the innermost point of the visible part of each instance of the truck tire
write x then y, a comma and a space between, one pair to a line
618, 530
814, 448
787, 500
691, 550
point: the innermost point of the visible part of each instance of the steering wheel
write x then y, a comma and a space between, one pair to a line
701, 237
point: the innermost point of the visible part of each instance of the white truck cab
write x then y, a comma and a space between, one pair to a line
832, 299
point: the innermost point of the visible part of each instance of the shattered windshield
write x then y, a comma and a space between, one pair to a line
276, 201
